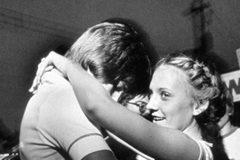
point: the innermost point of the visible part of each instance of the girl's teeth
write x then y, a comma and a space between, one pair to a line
159, 118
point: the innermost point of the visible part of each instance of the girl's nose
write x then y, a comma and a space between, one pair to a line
152, 105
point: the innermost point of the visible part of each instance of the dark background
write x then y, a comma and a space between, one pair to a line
29, 29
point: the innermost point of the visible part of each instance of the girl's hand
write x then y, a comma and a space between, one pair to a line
53, 60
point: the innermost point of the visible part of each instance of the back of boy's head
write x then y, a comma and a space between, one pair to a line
114, 52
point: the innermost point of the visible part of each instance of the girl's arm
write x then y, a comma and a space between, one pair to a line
128, 146
149, 138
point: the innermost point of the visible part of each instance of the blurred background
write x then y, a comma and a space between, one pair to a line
29, 29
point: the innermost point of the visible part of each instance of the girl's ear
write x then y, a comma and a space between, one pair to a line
200, 107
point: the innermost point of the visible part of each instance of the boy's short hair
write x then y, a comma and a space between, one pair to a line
114, 52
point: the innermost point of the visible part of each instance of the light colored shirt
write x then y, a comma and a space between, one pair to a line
54, 126
231, 143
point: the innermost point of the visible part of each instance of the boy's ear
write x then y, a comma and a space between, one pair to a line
108, 86
200, 107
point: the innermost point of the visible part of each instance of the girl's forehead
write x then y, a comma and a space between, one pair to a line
167, 76
170, 72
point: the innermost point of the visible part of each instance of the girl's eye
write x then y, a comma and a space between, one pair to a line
165, 94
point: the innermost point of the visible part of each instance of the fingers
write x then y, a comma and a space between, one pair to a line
34, 86
49, 68
42, 67
36, 81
